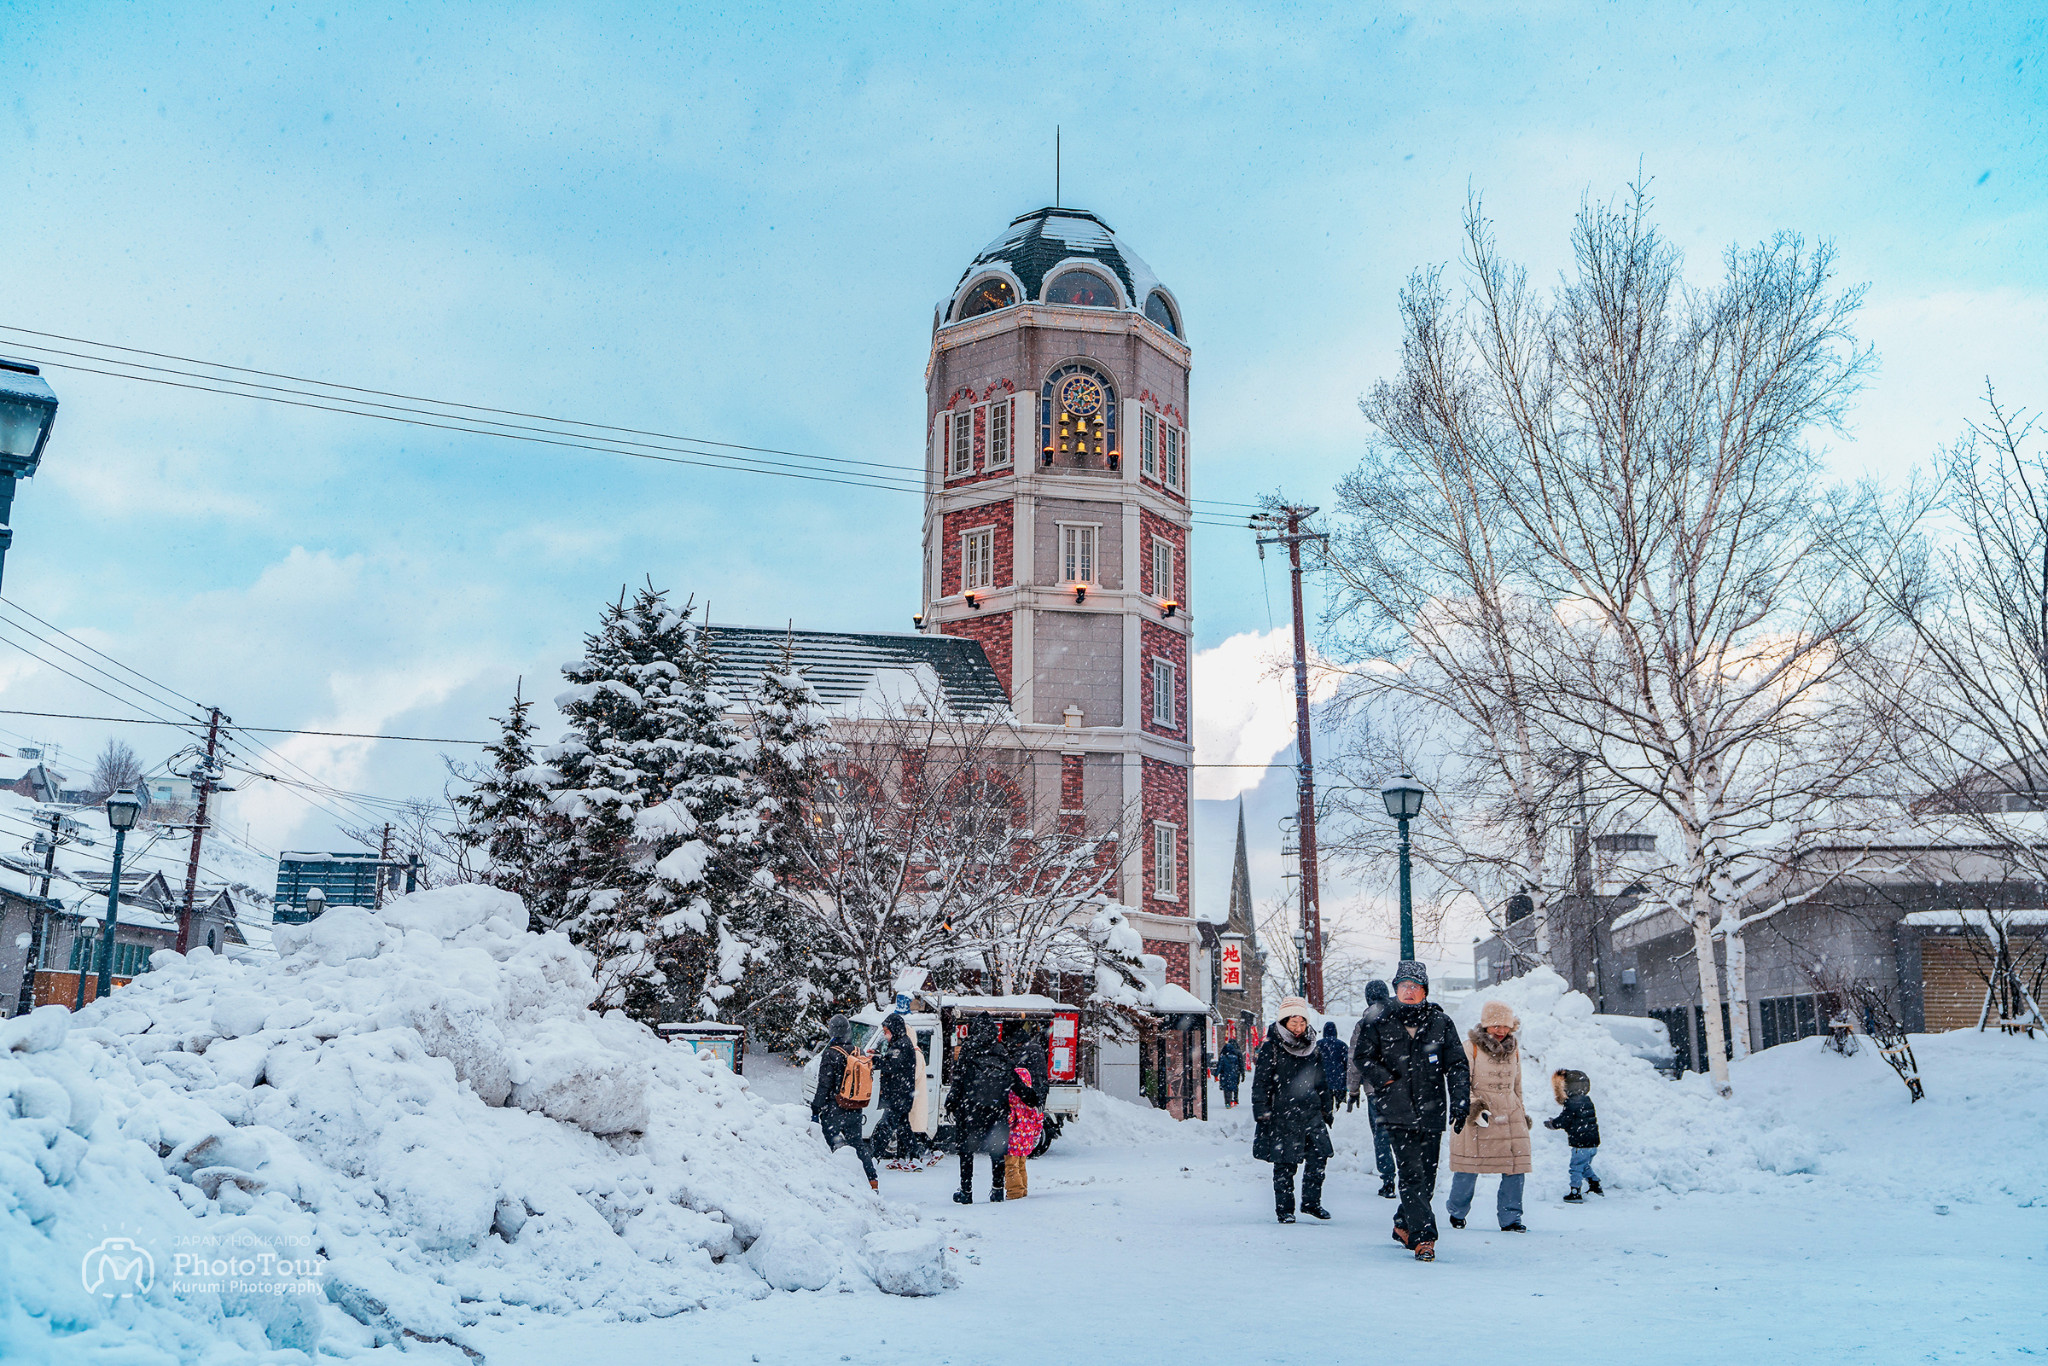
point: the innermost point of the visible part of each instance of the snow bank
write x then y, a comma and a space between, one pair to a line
421, 1102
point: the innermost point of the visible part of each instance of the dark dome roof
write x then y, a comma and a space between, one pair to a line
1039, 240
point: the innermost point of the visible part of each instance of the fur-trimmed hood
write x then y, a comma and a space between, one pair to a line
1492, 1047
1567, 1082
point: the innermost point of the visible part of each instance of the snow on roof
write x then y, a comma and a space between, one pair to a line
974, 1003
1036, 244
1169, 999
852, 670
1974, 919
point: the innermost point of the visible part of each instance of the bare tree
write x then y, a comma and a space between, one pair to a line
116, 768
935, 841
1614, 536
423, 845
1964, 678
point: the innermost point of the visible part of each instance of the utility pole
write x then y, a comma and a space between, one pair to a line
1285, 524
207, 770
39, 923
383, 863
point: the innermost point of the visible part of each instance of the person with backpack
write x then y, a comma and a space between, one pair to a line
1229, 1070
845, 1086
897, 1066
1414, 1065
984, 1078
1291, 1107
1377, 998
1335, 1055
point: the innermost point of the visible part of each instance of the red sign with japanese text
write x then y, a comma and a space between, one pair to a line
1233, 967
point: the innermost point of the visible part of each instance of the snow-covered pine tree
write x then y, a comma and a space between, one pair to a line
789, 987
663, 812
507, 822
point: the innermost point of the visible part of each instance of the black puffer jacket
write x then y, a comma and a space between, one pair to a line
984, 1075
1581, 1124
1418, 1081
896, 1067
1291, 1101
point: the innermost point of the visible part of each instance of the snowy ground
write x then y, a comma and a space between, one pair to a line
1915, 1233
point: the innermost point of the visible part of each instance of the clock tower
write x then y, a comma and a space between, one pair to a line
1056, 532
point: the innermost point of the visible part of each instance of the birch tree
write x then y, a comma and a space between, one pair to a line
1621, 515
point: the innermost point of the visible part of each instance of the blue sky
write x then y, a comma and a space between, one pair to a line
733, 223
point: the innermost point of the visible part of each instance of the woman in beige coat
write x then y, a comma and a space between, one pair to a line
1494, 1140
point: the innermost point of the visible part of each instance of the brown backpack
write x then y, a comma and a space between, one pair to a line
857, 1083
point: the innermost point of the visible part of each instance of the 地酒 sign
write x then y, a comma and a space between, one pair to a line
1233, 967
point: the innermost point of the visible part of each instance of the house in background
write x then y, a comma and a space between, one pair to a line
66, 929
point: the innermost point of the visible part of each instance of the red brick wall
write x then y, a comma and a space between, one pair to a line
1176, 956
1002, 517
1151, 524
993, 631
1073, 795
1165, 799
1159, 642
1026, 420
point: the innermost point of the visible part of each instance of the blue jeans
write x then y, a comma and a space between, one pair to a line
1582, 1166
1382, 1151
1464, 1185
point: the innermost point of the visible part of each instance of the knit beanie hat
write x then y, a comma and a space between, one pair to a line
1411, 971
1292, 1007
1377, 991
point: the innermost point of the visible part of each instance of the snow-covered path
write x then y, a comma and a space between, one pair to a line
1157, 1243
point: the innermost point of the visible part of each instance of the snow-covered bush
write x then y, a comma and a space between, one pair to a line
421, 1100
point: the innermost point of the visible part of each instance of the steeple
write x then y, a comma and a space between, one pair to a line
1241, 887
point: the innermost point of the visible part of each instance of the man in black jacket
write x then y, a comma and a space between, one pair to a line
896, 1074
841, 1126
1413, 1064
984, 1076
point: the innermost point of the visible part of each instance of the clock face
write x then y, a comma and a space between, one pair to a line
1081, 396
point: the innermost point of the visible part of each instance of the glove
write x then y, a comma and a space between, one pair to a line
1550, 1124
1458, 1124
1351, 1103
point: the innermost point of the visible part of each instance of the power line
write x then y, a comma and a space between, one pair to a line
264, 730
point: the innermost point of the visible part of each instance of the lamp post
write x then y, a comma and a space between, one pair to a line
1301, 955
122, 809
1403, 797
27, 408
316, 903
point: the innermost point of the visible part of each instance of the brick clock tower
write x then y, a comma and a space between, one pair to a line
1056, 530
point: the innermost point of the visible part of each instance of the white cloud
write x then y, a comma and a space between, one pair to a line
1244, 709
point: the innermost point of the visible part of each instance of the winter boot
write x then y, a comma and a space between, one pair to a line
963, 1197
1517, 1227
1387, 1191
1593, 1185
995, 1195
1401, 1235
874, 1185
1425, 1252
1286, 1216
1456, 1222
1575, 1198
1315, 1211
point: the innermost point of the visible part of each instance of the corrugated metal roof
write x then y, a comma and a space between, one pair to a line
843, 665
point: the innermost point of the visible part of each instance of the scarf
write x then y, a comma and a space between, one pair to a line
1301, 1047
1492, 1047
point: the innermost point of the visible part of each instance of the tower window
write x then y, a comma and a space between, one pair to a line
1081, 289
1165, 861
1162, 568
1077, 554
1148, 446
1161, 312
986, 296
962, 461
1163, 710
1172, 462
978, 559
999, 434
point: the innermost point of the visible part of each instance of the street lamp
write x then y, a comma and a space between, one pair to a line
1403, 797
27, 408
316, 903
1301, 954
122, 809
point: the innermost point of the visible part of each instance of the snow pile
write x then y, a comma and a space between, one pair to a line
1654, 1132
421, 1100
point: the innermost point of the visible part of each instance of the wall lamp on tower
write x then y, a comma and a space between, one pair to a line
1080, 592
973, 600
1168, 607
917, 621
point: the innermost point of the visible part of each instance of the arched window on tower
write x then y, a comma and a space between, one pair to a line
1081, 289
986, 296
1077, 418
1161, 312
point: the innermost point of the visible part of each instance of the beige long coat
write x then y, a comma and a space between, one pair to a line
1501, 1148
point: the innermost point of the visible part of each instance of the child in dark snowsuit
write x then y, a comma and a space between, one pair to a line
1574, 1091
